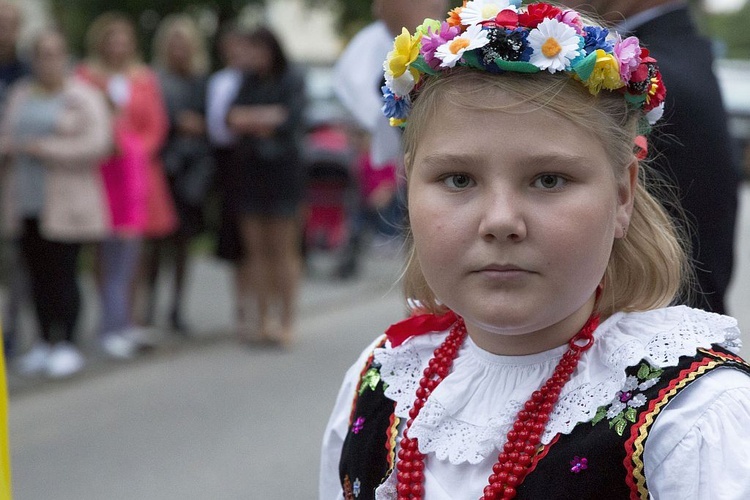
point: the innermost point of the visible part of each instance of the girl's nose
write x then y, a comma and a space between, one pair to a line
502, 218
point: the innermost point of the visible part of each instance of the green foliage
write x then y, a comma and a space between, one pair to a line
75, 16
731, 30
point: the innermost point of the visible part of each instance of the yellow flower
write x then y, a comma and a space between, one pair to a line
405, 51
606, 73
396, 122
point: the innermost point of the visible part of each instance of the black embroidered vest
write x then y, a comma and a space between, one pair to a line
599, 459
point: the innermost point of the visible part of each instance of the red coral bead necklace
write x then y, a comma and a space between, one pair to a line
522, 440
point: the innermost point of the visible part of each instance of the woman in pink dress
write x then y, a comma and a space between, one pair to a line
142, 207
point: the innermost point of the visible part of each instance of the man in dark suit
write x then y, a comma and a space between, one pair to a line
691, 146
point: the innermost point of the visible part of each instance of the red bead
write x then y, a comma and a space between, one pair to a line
405, 466
509, 492
417, 489
417, 476
413, 413
403, 489
509, 447
503, 476
492, 479
524, 459
530, 449
534, 438
523, 435
502, 457
512, 435
488, 492
513, 480
537, 396
513, 457
417, 466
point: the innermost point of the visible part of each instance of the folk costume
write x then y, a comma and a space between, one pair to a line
657, 406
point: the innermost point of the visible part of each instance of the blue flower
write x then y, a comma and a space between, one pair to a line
394, 106
596, 38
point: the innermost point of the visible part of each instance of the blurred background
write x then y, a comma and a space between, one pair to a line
183, 402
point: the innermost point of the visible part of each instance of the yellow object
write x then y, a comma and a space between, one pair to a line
5, 478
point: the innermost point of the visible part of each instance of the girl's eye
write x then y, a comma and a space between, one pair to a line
457, 181
549, 181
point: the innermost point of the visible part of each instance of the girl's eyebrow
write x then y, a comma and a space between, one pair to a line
456, 161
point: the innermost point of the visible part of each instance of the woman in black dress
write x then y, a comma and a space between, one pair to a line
267, 116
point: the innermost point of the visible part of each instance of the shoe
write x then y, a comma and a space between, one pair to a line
118, 346
64, 360
34, 361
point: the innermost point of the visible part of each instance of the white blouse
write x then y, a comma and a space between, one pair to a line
699, 447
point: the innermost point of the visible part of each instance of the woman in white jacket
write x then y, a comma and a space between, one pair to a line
54, 131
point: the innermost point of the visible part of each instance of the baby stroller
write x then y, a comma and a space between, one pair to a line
331, 189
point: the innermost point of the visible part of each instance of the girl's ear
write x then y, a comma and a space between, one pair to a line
625, 196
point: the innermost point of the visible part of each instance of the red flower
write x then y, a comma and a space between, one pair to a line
656, 92
536, 13
507, 19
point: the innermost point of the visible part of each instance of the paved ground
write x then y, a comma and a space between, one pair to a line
207, 419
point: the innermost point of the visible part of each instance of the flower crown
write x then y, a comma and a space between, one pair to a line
500, 36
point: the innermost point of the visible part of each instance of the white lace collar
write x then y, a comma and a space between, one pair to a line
469, 414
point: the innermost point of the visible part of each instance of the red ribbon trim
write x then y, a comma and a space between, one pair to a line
419, 324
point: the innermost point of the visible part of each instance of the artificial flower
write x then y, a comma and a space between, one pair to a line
427, 25
554, 44
405, 51
507, 18
656, 93
606, 73
628, 52
572, 19
507, 45
436, 38
536, 13
641, 76
454, 16
479, 11
395, 106
451, 52
654, 116
596, 38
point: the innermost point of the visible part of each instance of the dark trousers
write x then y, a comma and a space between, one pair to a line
53, 272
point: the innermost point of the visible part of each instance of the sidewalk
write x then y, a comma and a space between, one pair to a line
209, 310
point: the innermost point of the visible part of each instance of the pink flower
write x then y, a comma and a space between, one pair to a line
431, 41
572, 19
628, 53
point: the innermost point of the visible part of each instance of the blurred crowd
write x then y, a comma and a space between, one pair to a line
129, 161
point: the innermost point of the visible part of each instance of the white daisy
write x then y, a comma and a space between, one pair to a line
655, 114
555, 45
478, 11
616, 408
647, 384
450, 52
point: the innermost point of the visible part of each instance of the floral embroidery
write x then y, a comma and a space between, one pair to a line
578, 464
622, 409
358, 425
356, 487
370, 380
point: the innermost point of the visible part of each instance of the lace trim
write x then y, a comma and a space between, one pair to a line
660, 337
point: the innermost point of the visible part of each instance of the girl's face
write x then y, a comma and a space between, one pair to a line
514, 215
259, 58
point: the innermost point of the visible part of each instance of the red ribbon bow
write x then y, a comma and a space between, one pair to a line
419, 324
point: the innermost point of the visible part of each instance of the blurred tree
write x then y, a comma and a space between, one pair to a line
75, 16
731, 30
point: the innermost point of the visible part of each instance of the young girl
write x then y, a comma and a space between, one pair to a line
541, 359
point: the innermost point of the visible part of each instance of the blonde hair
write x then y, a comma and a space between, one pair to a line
648, 267
100, 29
185, 25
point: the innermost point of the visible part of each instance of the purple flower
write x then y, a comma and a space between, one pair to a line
358, 425
431, 41
625, 396
628, 52
578, 464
